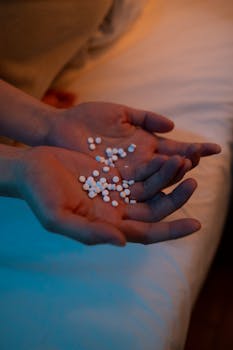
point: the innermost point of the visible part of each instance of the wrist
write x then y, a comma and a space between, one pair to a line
22, 117
44, 120
65, 129
10, 165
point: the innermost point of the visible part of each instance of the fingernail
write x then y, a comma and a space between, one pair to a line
196, 226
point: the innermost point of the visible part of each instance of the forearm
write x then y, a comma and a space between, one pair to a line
10, 163
22, 117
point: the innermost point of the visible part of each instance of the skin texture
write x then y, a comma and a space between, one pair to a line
62, 206
119, 126
45, 175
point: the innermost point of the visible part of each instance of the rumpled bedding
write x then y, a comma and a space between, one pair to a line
55, 293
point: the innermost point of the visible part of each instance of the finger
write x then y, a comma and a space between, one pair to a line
194, 154
148, 233
209, 148
193, 151
84, 231
143, 172
183, 170
162, 204
146, 170
197, 150
149, 121
161, 179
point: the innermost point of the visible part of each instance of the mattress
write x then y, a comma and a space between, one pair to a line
59, 294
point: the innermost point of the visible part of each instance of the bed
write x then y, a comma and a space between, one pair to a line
57, 294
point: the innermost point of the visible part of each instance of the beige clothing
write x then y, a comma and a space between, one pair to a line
38, 38
41, 40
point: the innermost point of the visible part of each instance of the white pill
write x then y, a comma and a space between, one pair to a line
114, 150
120, 151
103, 180
131, 149
98, 140
95, 173
86, 187
133, 145
122, 194
106, 169
123, 155
90, 140
90, 180
92, 194
119, 188
114, 157
132, 201
91, 189
127, 192
127, 200
82, 178
92, 146
115, 179
100, 188
115, 203
108, 151
105, 192
106, 199
131, 182
110, 162
97, 189
125, 185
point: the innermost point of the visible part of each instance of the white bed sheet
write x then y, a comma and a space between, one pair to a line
59, 294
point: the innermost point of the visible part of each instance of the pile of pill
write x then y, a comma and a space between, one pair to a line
95, 184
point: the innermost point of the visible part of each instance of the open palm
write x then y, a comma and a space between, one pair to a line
119, 126
49, 183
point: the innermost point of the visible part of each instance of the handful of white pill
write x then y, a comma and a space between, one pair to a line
94, 184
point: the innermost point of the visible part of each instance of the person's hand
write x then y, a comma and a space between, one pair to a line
120, 126
32, 122
47, 178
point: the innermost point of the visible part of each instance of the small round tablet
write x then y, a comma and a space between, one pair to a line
82, 178
119, 188
92, 146
132, 201
105, 193
127, 192
106, 169
106, 199
90, 140
95, 173
98, 140
115, 179
92, 194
